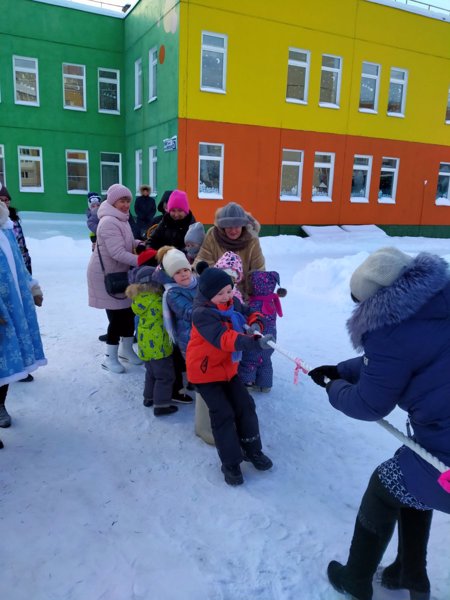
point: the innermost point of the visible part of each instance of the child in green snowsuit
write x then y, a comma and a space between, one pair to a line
154, 345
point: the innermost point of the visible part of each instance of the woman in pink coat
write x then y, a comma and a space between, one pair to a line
116, 244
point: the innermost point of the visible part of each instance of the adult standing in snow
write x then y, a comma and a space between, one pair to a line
145, 209
116, 246
21, 347
18, 231
402, 324
237, 231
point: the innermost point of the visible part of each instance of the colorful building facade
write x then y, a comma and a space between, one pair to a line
304, 112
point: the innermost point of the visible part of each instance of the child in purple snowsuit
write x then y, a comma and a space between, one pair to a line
255, 369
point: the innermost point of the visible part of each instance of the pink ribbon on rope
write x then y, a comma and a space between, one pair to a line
444, 481
298, 367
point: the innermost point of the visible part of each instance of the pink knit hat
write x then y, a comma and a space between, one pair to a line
117, 191
178, 199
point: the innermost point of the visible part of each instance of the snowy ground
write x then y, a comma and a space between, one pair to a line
101, 501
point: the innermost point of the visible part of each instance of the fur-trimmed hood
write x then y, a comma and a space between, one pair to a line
406, 298
140, 288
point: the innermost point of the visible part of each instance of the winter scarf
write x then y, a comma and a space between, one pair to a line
237, 323
223, 240
427, 275
270, 304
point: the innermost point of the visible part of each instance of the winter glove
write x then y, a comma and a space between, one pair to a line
256, 327
38, 296
319, 374
264, 339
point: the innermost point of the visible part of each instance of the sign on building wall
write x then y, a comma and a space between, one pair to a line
170, 144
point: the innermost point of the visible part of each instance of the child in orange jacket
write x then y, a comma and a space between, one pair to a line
213, 354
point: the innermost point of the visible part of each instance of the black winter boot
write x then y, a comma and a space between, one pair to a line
232, 474
160, 411
258, 459
409, 571
366, 551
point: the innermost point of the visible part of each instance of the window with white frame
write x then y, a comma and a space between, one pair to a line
26, 80
298, 76
152, 74
370, 83
447, 114
31, 172
330, 81
109, 91
388, 180
138, 83
74, 86
210, 170
362, 168
138, 168
443, 185
2, 166
77, 166
291, 175
323, 177
110, 169
213, 67
397, 92
153, 168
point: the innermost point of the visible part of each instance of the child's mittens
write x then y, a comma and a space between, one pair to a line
38, 296
264, 340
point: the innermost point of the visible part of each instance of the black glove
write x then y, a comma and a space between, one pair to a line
319, 373
264, 339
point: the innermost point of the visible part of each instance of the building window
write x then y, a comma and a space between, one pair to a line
210, 170
397, 92
152, 74
447, 114
330, 81
74, 86
443, 187
152, 168
213, 62
388, 180
138, 168
2, 166
291, 175
323, 177
298, 76
110, 169
26, 80
362, 168
370, 79
109, 91
31, 176
138, 83
77, 164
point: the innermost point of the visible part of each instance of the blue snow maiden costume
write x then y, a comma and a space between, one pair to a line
21, 349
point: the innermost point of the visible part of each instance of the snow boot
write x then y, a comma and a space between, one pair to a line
409, 571
110, 362
366, 551
27, 379
148, 401
1, 444
258, 459
160, 411
232, 474
103, 337
5, 419
126, 351
181, 398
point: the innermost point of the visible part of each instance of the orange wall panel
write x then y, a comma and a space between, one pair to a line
252, 170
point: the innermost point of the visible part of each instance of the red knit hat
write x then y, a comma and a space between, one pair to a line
178, 199
147, 257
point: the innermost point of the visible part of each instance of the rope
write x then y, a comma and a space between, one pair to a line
443, 479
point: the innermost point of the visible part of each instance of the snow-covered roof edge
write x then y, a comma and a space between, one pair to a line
444, 16
85, 8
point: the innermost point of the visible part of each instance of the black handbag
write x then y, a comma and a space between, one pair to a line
115, 283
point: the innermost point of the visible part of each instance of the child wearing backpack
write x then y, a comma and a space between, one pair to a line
213, 353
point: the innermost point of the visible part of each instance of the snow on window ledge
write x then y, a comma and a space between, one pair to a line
442, 201
359, 199
321, 199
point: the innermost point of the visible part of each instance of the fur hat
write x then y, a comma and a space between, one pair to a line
4, 192
94, 198
379, 270
172, 260
213, 280
195, 234
231, 215
145, 187
116, 192
178, 200
231, 263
